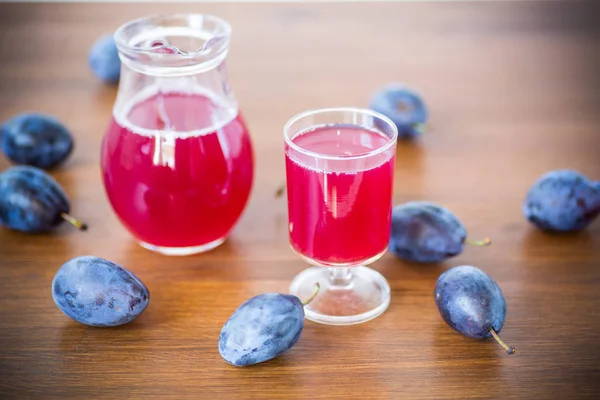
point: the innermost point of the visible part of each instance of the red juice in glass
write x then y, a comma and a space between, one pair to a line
177, 168
340, 209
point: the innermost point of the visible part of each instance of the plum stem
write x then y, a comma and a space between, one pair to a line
485, 242
509, 349
419, 127
82, 226
313, 295
280, 190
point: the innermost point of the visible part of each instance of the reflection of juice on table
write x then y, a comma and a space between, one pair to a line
340, 210
178, 169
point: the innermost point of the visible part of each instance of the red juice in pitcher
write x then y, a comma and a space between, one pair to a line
177, 169
339, 210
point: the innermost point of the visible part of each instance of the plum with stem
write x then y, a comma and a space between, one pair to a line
263, 328
471, 303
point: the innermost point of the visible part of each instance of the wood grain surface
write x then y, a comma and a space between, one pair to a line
513, 92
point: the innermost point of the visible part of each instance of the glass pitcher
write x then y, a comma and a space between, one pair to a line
177, 159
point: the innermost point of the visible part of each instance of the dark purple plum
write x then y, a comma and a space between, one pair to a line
471, 303
425, 232
562, 201
404, 106
262, 328
32, 201
35, 139
98, 292
104, 60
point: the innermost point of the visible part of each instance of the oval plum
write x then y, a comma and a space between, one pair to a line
98, 292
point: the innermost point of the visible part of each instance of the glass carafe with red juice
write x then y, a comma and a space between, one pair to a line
177, 160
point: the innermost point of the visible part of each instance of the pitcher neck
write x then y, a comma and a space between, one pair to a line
173, 45
176, 53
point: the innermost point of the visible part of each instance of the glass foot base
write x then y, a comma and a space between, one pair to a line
347, 295
183, 251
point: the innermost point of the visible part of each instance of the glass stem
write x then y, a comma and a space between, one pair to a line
340, 277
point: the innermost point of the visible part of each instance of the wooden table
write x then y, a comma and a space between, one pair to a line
513, 92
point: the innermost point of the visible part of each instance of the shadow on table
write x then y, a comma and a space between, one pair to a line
535, 238
81, 342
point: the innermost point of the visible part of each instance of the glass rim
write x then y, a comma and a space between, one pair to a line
121, 41
356, 110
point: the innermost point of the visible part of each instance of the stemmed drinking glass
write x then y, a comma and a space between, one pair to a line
340, 169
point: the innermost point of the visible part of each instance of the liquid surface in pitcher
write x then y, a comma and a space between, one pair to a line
177, 169
341, 214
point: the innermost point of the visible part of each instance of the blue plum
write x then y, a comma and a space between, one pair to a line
562, 201
261, 329
471, 303
104, 59
35, 139
32, 201
404, 106
425, 232
98, 292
